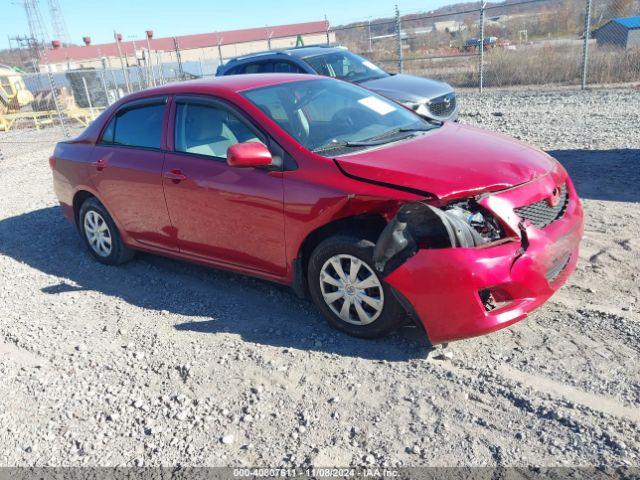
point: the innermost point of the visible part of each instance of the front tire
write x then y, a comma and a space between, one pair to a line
348, 290
101, 235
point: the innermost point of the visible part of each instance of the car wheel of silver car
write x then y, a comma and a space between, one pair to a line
348, 290
101, 235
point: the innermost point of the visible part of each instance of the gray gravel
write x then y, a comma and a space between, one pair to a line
164, 363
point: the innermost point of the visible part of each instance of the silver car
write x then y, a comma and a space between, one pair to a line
429, 98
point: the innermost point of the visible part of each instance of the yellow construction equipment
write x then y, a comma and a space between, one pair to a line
13, 96
19, 107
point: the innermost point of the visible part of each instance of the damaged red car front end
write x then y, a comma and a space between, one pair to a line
496, 234
458, 293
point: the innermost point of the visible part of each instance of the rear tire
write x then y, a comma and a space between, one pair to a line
349, 292
100, 234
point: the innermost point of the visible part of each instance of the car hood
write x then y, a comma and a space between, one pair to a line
450, 162
407, 88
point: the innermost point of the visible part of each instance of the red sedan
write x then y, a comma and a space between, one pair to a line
380, 216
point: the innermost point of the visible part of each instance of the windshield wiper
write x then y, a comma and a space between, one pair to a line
380, 141
331, 146
386, 137
371, 142
422, 128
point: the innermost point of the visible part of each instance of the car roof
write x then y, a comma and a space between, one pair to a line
311, 51
228, 84
298, 52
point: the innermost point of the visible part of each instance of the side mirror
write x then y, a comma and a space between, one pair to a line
248, 154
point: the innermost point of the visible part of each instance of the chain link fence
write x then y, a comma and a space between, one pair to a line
530, 42
30, 102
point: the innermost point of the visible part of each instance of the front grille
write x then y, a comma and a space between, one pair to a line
541, 214
443, 106
555, 271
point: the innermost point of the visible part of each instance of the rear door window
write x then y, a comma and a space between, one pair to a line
235, 70
286, 67
259, 67
136, 127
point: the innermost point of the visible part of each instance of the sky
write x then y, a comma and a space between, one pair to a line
99, 18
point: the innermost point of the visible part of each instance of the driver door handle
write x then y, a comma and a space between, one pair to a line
175, 175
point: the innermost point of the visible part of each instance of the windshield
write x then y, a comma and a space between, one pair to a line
345, 66
328, 114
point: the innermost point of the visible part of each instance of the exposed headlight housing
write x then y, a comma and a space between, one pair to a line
461, 224
479, 219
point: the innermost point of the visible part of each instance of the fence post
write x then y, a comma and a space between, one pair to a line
149, 34
113, 79
104, 87
86, 91
399, 40
178, 57
481, 61
52, 85
160, 67
326, 22
125, 71
585, 45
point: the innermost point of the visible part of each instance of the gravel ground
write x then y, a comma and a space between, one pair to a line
160, 362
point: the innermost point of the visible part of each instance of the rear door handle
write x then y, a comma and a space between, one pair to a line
100, 164
175, 175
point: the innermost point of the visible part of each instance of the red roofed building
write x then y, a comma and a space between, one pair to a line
205, 46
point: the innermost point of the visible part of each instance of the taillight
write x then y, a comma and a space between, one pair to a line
52, 162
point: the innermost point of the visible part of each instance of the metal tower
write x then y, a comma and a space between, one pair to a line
58, 25
36, 41
36, 26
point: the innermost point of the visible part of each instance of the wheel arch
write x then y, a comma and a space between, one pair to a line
79, 198
366, 225
81, 195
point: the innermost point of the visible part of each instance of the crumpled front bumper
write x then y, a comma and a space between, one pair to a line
443, 285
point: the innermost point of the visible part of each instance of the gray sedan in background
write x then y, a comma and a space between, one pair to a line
429, 98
